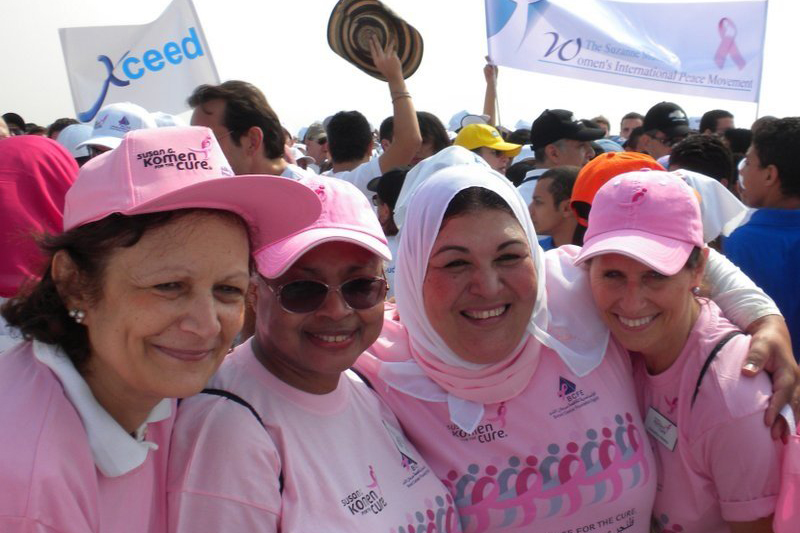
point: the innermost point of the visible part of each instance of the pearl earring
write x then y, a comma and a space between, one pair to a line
695, 290
77, 314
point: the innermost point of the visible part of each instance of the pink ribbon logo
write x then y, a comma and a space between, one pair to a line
727, 46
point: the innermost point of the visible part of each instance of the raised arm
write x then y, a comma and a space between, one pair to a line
406, 138
490, 97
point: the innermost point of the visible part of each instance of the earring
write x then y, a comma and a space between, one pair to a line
695, 290
77, 314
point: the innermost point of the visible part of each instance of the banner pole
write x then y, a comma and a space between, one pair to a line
761, 70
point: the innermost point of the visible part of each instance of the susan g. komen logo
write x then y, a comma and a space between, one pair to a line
180, 160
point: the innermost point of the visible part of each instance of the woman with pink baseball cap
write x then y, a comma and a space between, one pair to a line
289, 439
718, 465
142, 295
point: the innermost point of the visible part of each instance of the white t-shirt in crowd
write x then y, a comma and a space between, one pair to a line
360, 176
296, 173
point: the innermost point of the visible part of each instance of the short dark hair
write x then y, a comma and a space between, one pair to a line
563, 180
632, 114
633, 138
739, 139
474, 199
520, 136
59, 125
349, 136
777, 143
516, 172
245, 107
430, 128
706, 154
38, 310
710, 119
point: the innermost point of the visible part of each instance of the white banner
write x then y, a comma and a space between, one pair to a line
711, 49
156, 65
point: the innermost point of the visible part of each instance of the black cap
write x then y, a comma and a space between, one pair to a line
556, 124
388, 186
667, 118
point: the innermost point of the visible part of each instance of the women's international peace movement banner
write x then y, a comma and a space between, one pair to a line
156, 65
711, 49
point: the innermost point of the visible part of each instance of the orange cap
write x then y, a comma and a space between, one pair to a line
601, 169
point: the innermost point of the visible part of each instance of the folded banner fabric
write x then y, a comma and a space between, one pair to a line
156, 65
711, 49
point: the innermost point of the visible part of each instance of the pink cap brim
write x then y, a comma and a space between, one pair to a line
664, 255
272, 206
274, 260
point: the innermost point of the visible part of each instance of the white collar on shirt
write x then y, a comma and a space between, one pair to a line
115, 452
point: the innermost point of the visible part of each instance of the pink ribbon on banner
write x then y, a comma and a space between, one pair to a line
727, 32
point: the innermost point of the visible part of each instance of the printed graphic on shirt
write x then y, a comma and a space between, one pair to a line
573, 398
661, 525
490, 430
368, 500
554, 483
408, 459
439, 517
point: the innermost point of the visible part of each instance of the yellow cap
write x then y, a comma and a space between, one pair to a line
473, 136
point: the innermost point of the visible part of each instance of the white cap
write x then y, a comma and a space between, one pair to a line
523, 125
298, 152
115, 120
525, 153
165, 120
71, 138
463, 118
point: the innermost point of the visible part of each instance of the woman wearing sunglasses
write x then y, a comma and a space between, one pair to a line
291, 440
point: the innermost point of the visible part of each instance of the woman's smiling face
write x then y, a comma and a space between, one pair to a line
480, 285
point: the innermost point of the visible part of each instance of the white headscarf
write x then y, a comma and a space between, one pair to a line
435, 372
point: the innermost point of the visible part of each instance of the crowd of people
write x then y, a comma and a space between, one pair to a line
223, 326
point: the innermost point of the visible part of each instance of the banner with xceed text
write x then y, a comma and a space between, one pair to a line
711, 49
156, 65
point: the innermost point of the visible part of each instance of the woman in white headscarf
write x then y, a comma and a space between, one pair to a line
507, 385
524, 437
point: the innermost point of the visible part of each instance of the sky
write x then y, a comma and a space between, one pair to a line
281, 47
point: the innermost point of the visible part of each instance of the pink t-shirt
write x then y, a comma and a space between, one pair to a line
48, 479
724, 466
345, 464
567, 455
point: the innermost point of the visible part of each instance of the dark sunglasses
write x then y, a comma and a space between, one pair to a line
306, 296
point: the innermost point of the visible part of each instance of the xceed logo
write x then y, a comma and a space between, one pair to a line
134, 68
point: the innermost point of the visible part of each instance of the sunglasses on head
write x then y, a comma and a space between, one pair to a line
306, 296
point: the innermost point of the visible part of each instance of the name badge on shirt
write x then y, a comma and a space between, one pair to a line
661, 428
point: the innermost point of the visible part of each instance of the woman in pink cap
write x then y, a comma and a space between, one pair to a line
500, 370
718, 465
289, 439
142, 295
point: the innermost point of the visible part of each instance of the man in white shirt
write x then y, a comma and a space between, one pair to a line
350, 140
247, 128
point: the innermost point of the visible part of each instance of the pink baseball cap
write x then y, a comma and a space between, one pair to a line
650, 216
181, 168
346, 216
